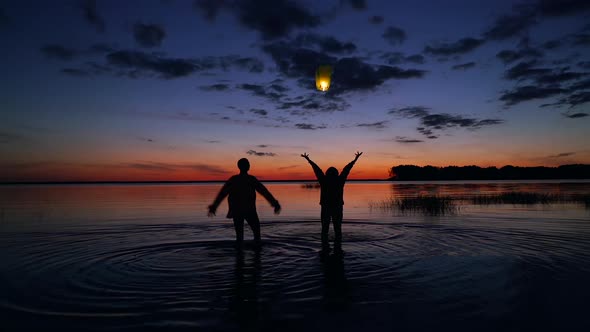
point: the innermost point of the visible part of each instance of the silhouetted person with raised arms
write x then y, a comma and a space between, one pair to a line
331, 197
242, 190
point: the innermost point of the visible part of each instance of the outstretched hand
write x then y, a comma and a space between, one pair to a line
357, 155
305, 155
277, 208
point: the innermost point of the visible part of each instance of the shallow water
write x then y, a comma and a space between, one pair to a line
146, 257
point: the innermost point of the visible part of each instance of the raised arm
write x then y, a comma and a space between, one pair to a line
348, 167
269, 197
222, 194
316, 169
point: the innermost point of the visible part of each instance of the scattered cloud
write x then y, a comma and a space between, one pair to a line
273, 19
288, 167
356, 4
259, 111
148, 35
581, 39
581, 85
462, 46
215, 87
562, 7
151, 166
576, 115
356, 75
561, 155
262, 91
64, 53
308, 126
376, 19
313, 103
171, 167
375, 125
416, 58
411, 112
260, 154
406, 140
511, 25
575, 99
91, 15
525, 70
353, 73
252, 65
509, 56
138, 63
294, 61
529, 92
394, 35
326, 44
209, 8
91, 69
559, 77
464, 66
429, 122
396, 58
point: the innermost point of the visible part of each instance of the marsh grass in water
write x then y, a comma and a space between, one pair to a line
582, 199
433, 205
436, 205
314, 185
528, 198
514, 197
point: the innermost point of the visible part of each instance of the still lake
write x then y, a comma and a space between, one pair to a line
146, 257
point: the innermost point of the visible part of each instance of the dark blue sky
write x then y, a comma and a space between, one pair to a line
181, 89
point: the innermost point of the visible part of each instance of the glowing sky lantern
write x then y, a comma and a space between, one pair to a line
323, 77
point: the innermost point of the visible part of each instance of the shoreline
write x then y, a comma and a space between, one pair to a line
565, 180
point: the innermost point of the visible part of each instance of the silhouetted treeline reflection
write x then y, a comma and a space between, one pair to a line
428, 173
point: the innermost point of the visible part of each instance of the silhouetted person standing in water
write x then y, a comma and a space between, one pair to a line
242, 190
331, 198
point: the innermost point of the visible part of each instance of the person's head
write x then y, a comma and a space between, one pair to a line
244, 165
332, 172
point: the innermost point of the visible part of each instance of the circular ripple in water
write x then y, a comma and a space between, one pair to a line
183, 275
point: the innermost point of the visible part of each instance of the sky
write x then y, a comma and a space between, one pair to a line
180, 90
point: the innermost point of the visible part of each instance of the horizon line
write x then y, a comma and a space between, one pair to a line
275, 181
169, 181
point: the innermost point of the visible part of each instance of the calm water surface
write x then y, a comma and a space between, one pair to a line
146, 257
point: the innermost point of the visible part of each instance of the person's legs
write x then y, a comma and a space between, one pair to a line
239, 227
325, 223
254, 223
337, 220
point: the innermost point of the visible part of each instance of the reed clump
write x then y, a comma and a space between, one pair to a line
517, 197
437, 205
582, 199
314, 185
433, 205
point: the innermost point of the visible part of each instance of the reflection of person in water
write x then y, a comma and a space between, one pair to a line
242, 190
244, 306
331, 197
336, 286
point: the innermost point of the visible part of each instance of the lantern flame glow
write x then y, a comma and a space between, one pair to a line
323, 77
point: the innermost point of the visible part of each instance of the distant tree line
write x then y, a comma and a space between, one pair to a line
419, 173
